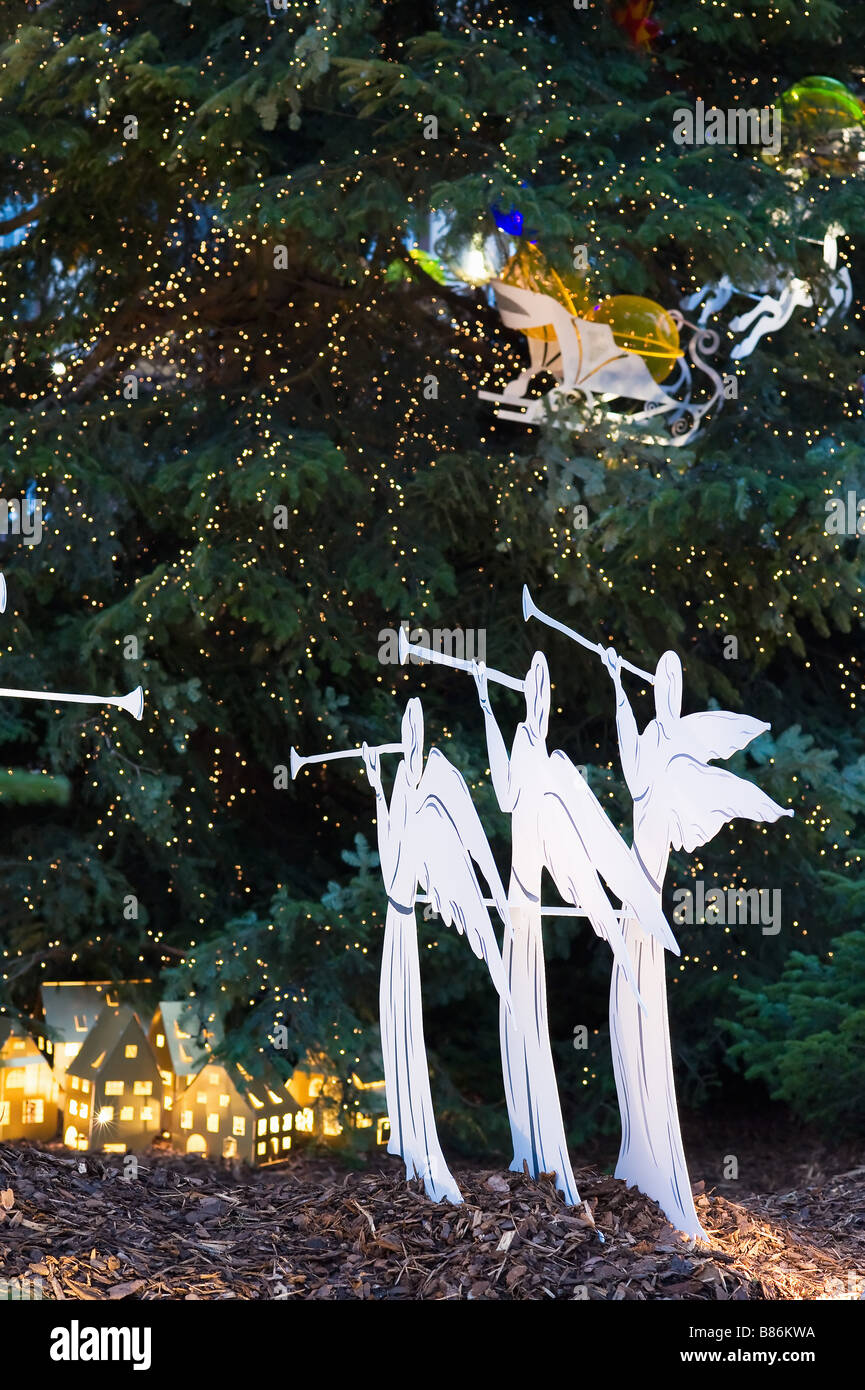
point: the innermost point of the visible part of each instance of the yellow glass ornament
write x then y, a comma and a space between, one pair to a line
529, 269
641, 326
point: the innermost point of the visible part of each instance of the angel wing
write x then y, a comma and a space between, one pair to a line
608, 369
697, 800
591, 358
717, 733
444, 836
577, 820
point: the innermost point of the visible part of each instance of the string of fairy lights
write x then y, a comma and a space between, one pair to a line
204, 272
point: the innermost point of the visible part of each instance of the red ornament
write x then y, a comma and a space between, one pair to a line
635, 19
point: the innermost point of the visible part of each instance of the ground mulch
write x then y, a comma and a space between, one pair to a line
190, 1229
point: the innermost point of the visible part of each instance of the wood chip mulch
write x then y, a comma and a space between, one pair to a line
186, 1228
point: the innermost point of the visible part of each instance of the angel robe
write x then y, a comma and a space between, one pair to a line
557, 824
428, 836
678, 801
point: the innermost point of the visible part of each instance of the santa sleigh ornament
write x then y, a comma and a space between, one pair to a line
591, 367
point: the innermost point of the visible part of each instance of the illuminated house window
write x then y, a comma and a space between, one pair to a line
274, 1124
33, 1112
186, 1119
229, 1148
362, 1121
168, 1102
143, 1088
286, 1141
85, 1086
332, 1125
286, 1120
80, 1023
73, 1106
18, 1044
223, 1101
303, 1120
114, 1088
315, 1084
213, 1123
114, 1148
167, 1078
201, 1098
127, 1112
130, 1050
83, 1112
261, 1127
14, 1078
73, 1083
160, 1039
260, 1148
382, 1132
72, 1050
213, 1078
147, 1112
106, 1115
238, 1125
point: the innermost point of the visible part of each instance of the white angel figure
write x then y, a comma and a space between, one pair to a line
428, 836
584, 357
679, 801
557, 823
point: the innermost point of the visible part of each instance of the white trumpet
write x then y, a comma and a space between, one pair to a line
531, 610
297, 762
458, 663
133, 702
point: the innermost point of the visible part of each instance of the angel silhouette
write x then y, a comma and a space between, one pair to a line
428, 836
557, 823
680, 801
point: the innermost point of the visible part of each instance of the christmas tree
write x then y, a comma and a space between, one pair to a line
245, 324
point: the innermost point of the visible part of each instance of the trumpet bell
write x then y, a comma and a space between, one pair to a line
135, 700
296, 763
402, 646
2, 594
527, 603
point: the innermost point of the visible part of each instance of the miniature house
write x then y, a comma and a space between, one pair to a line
226, 1113
29, 1094
212, 1108
326, 1107
182, 1045
71, 1009
113, 1087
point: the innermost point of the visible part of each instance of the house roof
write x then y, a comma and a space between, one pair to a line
65, 1003
12, 1028
105, 1037
265, 1092
188, 1048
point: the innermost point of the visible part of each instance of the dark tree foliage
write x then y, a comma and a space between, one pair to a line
215, 348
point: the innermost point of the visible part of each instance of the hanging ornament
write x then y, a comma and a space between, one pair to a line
822, 122
643, 327
635, 18
591, 366
430, 264
511, 223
